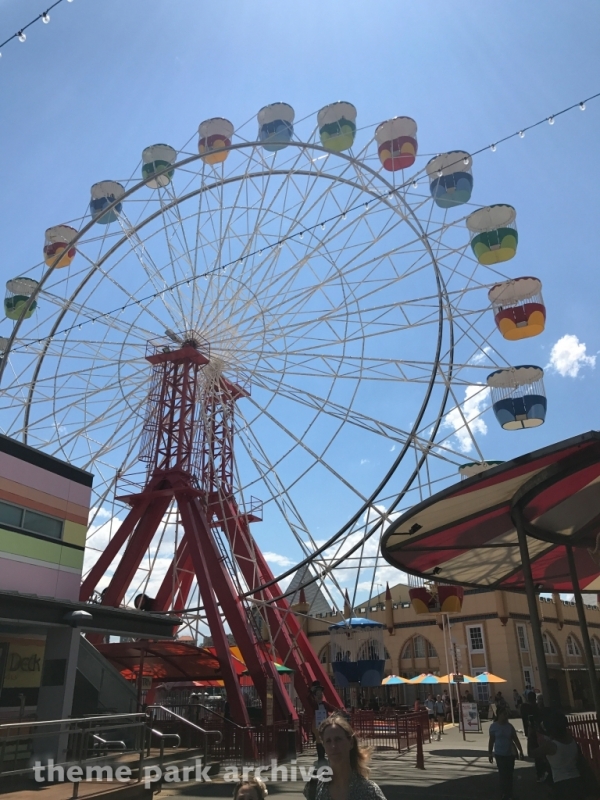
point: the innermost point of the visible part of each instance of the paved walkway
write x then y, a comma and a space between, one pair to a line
454, 770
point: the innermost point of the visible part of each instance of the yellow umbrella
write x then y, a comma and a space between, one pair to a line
425, 677
488, 677
393, 679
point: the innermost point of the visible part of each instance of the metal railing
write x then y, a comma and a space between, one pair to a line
182, 721
46, 749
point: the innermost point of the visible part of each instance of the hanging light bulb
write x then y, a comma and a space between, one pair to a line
582, 106
550, 120
344, 215
415, 183
493, 148
522, 134
322, 226
21, 36
440, 172
367, 206
260, 252
466, 161
391, 193
46, 17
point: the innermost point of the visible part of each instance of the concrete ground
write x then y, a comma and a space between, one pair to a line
454, 769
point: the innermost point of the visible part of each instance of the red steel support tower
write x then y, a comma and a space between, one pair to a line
188, 442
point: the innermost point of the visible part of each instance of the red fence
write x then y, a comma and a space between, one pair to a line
586, 732
390, 730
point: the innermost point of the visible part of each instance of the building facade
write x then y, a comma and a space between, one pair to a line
492, 633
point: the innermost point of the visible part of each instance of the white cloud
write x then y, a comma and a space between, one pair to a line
481, 356
475, 402
568, 356
364, 461
276, 558
392, 448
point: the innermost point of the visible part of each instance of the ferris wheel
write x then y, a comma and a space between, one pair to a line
334, 286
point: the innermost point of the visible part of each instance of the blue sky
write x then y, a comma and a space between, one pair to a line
105, 78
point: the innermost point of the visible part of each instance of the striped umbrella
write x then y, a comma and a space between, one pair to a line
425, 677
450, 679
488, 677
392, 680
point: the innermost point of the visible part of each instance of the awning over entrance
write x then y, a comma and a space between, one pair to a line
29, 609
466, 533
165, 661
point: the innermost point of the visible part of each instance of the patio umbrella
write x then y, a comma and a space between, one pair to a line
450, 679
391, 680
426, 678
488, 677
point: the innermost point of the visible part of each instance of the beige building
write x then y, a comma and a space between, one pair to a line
491, 633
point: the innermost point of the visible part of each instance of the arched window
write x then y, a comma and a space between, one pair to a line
573, 648
369, 651
595, 643
418, 645
324, 655
549, 647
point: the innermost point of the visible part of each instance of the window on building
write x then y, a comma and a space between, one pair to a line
482, 689
431, 651
572, 647
528, 678
476, 639
549, 647
522, 636
419, 645
408, 650
595, 647
369, 651
30, 521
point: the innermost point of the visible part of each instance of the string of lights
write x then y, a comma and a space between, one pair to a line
44, 17
321, 224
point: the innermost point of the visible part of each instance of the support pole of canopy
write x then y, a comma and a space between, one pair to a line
585, 635
536, 627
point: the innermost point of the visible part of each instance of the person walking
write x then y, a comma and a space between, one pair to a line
348, 760
503, 746
317, 713
430, 706
528, 712
440, 715
563, 755
517, 700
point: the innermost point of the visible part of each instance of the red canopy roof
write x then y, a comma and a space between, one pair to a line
466, 534
165, 660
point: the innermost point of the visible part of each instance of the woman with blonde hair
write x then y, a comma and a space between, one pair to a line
348, 761
250, 789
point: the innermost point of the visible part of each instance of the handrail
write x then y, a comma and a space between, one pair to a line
221, 716
110, 742
164, 736
188, 722
73, 720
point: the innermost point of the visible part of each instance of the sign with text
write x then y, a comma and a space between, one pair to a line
23, 665
469, 718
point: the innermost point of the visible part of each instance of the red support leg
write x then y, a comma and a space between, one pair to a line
135, 551
290, 640
205, 585
259, 665
105, 558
